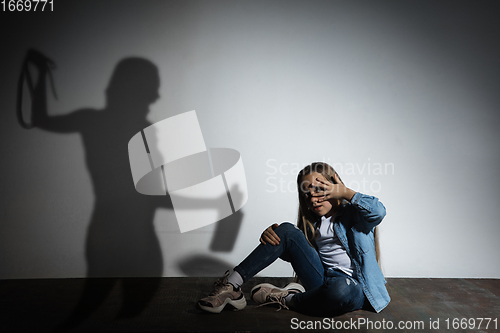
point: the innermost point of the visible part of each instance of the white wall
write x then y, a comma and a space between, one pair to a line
402, 97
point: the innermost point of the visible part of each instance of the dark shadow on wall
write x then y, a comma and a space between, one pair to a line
226, 233
227, 229
223, 240
121, 240
203, 265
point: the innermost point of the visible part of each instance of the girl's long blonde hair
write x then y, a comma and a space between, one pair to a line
306, 219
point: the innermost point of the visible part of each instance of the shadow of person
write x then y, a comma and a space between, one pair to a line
121, 242
227, 229
203, 265
223, 240
223, 205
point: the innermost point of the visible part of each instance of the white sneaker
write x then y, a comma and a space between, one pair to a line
224, 293
266, 293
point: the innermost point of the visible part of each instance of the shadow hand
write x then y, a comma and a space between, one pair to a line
38, 59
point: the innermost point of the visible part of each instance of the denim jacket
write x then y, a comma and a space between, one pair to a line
354, 225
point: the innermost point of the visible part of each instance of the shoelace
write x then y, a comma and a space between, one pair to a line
274, 299
219, 284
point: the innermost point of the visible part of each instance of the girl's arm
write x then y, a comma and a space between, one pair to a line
371, 210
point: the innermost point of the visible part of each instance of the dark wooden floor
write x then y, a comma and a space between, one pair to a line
169, 305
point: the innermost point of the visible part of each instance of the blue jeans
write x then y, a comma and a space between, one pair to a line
328, 292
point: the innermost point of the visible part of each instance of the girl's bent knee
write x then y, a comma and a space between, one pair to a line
286, 228
289, 234
286, 225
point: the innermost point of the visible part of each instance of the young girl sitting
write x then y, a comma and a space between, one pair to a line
332, 250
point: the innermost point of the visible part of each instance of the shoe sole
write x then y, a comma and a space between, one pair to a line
238, 305
290, 286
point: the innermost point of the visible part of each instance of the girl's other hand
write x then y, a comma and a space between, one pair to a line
269, 236
332, 191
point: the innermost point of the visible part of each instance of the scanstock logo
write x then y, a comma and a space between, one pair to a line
170, 158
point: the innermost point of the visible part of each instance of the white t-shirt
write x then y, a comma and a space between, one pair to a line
331, 251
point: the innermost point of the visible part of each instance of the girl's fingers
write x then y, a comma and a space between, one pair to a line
271, 230
337, 179
270, 241
265, 239
323, 184
321, 180
272, 237
269, 236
